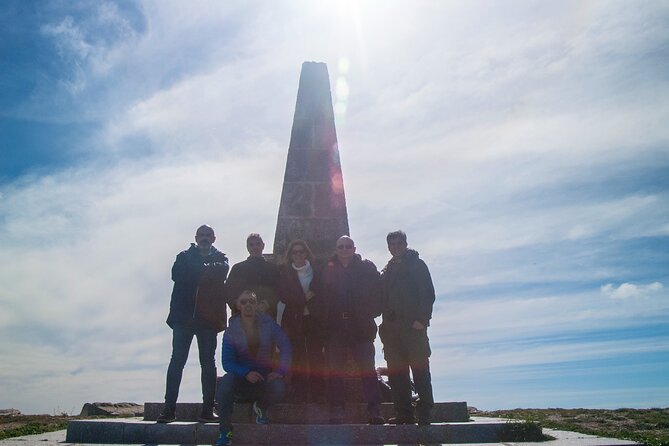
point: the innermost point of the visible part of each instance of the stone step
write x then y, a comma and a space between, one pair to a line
310, 413
135, 431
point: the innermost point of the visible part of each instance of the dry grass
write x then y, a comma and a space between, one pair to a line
647, 426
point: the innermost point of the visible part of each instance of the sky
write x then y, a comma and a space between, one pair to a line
521, 145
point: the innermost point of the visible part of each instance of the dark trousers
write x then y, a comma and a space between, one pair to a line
232, 387
405, 348
362, 354
182, 338
308, 365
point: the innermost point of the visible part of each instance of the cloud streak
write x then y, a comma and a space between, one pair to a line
523, 150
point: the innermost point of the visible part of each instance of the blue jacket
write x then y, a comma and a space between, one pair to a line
236, 357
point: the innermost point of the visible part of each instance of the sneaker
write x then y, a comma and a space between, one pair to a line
167, 415
261, 414
376, 420
207, 416
402, 420
225, 438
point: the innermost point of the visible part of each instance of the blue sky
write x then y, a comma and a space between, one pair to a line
522, 146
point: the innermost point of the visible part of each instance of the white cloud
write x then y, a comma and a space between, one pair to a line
630, 290
493, 137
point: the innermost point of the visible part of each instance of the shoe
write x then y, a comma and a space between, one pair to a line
225, 439
207, 416
424, 421
376, 420
261, 415
402, 420
167, 415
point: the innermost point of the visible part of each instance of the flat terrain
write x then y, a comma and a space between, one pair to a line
18, 425
648, 426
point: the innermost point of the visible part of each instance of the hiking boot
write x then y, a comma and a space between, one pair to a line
261, 414
225, 439
424, 420
424, 417
167, 415
207, 416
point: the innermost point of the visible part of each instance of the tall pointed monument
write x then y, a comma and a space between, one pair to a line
313, 205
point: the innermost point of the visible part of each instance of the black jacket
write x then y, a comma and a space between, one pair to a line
352, 300
408, 293
255, 274
198, 294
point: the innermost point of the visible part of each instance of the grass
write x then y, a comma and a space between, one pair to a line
16, 426
647, 426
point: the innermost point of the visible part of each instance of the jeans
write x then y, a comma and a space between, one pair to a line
182, 338
404, 349
363, 356
232, 387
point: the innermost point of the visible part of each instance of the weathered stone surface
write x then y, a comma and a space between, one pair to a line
313, 203
112, 409
127, 431
355, 413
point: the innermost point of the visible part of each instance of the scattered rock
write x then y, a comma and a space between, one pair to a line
113, 409
472, 410
10, 412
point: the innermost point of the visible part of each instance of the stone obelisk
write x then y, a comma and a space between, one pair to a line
313, 205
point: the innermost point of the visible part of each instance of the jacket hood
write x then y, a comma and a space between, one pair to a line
411, 254
212, 249
261, 318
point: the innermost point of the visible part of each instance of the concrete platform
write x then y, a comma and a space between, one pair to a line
310, 413
563, 438
134, 431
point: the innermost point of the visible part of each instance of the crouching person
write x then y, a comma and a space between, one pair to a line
248, 345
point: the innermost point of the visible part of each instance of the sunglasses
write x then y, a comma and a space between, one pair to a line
245, 302
297, 251
345, 247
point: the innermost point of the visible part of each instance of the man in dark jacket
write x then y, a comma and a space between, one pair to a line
255, 274
352, 297
408, 296
197, 308
248, 346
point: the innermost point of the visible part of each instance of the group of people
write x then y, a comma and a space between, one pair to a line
329, 316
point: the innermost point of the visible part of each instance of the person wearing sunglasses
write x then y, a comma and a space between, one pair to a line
351, 289
248, 346
303, 322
